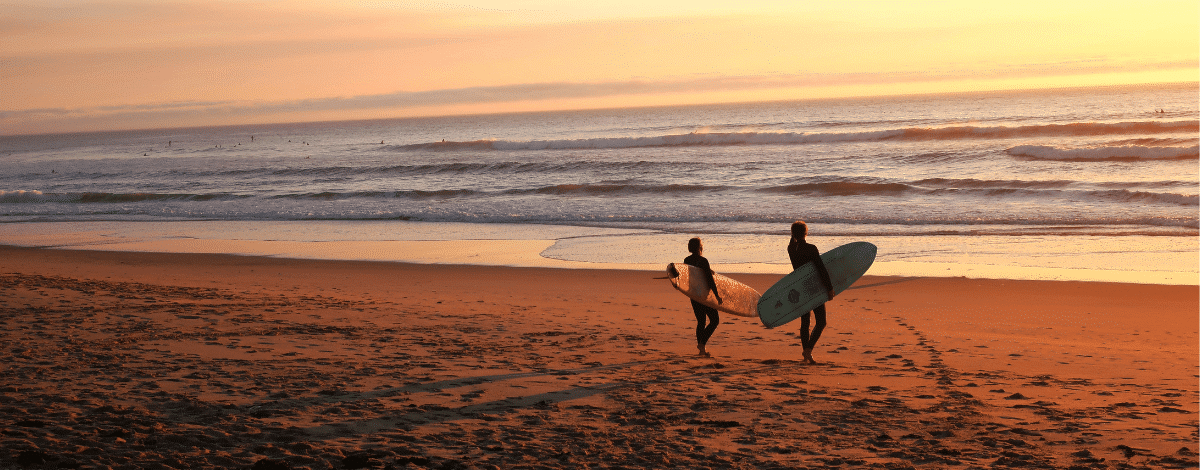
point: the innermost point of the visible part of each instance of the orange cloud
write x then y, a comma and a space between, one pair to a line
79, 66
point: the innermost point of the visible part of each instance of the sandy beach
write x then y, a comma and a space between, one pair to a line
158, 360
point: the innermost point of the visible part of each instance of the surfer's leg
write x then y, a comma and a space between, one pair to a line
804, 337
804, 329
698, 309
819, 312
701, 312
809, 340
714, 319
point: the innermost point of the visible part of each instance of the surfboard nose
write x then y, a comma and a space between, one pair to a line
671, 271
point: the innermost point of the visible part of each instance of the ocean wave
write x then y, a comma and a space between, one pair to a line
951, 183
794, 138
841, 188
1154, 142
606, 189
602, 189
405, 194
1035, 190
1125, 153
1124, 195
824, 187
21, 196
949, 222
482, 168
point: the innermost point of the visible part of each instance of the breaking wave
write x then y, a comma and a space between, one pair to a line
1144, 192
22, 196
794, 138
1127, 152
981, 188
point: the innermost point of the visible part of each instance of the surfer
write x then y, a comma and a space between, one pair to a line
703, 312
801, 252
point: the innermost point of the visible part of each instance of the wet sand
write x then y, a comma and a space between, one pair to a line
155, 360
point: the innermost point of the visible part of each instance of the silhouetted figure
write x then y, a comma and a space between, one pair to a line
703, 312
801, 252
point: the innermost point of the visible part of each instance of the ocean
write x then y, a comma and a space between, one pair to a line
1070, 184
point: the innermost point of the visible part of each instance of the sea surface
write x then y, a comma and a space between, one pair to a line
1074, 184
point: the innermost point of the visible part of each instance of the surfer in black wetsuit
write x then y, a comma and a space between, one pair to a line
802, 252
703, 312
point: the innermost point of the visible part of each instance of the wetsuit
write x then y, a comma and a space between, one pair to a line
703, 312
802, 253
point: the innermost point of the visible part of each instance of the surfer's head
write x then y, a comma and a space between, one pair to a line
694, 246
799, 230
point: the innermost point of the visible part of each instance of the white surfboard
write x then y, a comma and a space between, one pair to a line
736, 298
801, 291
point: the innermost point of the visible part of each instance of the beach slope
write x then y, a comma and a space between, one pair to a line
114, 359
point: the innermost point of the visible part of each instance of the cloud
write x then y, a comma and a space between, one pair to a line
233, 111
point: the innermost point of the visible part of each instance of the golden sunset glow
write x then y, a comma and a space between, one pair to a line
71, 66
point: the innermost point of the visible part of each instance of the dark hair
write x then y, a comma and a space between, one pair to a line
799, 229
694, 245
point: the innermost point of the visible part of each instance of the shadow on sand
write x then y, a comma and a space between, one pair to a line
885, 283
434, 413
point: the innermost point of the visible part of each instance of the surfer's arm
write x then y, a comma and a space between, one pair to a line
712, 284
712, 281
824, 274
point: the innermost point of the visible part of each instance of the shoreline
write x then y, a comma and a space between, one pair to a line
1138, 260
202, 360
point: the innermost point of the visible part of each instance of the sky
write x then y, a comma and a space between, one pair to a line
75, 65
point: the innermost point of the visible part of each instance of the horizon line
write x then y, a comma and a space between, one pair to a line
175, 105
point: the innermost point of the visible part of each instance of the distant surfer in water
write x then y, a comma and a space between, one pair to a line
703, 312
801, 252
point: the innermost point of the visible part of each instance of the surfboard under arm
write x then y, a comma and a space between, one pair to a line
802, 290
736, 298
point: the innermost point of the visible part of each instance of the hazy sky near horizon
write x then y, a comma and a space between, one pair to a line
80, 65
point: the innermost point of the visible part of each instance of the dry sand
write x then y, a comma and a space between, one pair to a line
136, 360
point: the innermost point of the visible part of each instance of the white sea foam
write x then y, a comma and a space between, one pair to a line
1013, 169
1128, 152
20, 195
797, 138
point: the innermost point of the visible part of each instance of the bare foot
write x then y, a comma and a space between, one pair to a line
702, 353
808, 357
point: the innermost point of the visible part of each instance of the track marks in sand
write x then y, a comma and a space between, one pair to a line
112, 374
1030, 419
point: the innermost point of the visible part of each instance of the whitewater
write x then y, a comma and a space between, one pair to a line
1078, 184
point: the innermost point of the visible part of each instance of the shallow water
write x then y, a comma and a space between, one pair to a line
1074, 184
